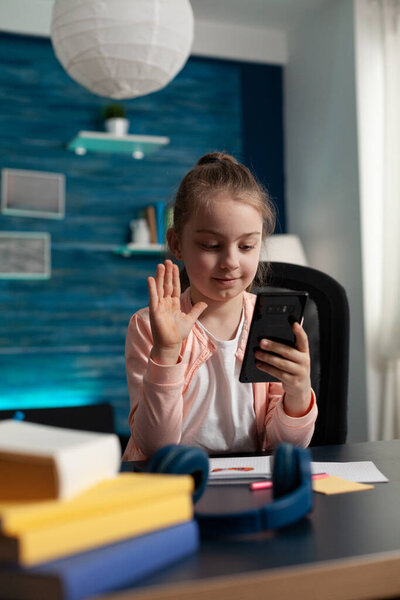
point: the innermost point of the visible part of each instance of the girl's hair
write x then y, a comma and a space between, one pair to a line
216, 172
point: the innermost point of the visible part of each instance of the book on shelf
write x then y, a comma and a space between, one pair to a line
151, 222
42, 461
102, 570
160, 220
129, 505
169, 217
156, 221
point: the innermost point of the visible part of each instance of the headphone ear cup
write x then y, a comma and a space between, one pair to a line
182, 460
162, 457
285, 473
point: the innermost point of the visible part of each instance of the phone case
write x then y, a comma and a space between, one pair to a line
273, 317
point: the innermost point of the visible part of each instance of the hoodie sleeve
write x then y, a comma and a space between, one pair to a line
280, 427
155, 393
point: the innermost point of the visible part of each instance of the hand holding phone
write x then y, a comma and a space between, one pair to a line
273, 319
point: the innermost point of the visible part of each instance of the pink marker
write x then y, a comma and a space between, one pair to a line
320, 476
260, 485
264, 485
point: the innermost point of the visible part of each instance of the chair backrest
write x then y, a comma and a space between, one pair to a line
92, 417
326, 322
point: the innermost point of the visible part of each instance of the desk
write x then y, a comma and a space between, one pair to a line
348, 547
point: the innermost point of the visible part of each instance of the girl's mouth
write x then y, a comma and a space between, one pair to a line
225, 282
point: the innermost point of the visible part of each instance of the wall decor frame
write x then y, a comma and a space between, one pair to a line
32, 193
25, 255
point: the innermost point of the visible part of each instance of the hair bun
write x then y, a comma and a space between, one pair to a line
216, 157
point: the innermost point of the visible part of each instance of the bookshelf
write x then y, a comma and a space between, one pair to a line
138, 146
129, 250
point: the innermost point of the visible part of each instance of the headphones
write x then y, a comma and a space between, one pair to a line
292, 489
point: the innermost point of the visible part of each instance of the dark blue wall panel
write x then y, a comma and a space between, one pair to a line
62, 340
263, 149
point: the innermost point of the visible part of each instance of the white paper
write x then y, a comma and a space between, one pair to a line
363, 471
233, 468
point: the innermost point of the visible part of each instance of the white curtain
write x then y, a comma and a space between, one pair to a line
378, 99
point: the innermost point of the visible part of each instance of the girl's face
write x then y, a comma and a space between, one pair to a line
220, 247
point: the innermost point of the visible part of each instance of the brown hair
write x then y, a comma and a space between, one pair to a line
217, 172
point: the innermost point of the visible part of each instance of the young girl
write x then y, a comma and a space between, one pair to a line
184, 352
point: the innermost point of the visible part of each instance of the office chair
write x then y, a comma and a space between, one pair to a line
326, 322
92, 417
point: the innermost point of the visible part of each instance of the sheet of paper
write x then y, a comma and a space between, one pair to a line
363, 471
259, 467
337, 485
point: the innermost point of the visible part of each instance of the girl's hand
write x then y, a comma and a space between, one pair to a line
169, 325
291, 367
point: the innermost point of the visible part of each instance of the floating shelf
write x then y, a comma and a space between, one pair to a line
139, 249
138, 146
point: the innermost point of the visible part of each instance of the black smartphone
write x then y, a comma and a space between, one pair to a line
273, 317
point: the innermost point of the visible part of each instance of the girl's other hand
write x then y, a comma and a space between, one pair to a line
291, 367
169, 325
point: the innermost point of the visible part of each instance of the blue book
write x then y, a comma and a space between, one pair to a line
160, 221
102, 570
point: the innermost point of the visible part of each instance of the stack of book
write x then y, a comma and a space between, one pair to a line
72, 526
159, 218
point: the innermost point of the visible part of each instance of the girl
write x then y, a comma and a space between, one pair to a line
184, 352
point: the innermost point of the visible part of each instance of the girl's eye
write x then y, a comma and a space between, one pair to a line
210, 246
246, 247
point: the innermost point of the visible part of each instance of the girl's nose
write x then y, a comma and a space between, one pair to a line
230, 259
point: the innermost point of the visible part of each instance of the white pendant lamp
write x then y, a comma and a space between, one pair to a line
122, 48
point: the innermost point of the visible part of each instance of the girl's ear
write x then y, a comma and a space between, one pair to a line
174, 243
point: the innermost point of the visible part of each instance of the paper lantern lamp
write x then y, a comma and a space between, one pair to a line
122, 48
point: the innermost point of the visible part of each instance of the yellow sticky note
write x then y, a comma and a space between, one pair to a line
337, 485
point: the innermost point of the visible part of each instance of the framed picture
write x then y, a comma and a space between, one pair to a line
32, 194
24, 255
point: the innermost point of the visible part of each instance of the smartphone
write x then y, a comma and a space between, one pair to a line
273, 317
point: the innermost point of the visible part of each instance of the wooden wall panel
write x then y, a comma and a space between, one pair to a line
62, 340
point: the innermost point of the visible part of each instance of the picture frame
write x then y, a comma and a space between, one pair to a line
26, 193
25, 255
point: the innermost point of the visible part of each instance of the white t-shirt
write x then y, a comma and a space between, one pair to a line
221, 415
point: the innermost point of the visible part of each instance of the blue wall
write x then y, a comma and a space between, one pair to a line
62, 340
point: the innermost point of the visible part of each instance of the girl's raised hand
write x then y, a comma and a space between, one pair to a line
169, 325
291, 367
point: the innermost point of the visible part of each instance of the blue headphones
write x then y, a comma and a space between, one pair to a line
292, 489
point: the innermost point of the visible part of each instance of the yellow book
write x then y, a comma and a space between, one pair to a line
41, 461
126, 489
38, 543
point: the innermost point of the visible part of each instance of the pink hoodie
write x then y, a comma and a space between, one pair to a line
157, 392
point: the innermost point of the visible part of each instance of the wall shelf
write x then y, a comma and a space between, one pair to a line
140, 250
138, 146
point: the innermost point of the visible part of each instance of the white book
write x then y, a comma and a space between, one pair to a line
41, 461
245, 468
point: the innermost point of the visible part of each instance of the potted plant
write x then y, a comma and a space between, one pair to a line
115, 119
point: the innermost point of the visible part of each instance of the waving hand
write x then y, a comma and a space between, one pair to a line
169, 325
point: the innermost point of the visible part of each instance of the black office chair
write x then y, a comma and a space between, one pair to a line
326, 322
92, 417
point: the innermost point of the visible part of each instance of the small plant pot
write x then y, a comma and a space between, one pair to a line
117, 126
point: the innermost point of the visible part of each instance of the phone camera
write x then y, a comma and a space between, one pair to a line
280, 309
